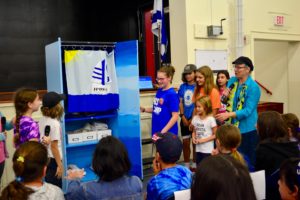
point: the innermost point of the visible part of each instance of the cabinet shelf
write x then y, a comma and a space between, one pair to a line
71, 118
81, 144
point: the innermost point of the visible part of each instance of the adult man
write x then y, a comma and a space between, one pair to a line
242, 105
170, 176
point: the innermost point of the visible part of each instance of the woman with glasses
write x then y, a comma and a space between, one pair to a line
166, 103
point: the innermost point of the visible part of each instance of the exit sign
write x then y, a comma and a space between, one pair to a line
279, 20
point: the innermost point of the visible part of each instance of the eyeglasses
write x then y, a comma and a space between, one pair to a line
239, 67
160, 79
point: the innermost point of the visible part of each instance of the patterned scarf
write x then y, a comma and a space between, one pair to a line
240, 103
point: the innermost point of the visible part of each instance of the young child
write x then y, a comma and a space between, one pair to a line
205, 86
221, 82
204, 128
5, 126
289, 182
292, 122
166, 103
228, 139
186, 108
30, 164
52, 111
169, 177
26, 129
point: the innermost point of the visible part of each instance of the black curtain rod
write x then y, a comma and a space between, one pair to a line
99, 44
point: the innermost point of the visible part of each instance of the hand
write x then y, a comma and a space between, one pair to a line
185, 121
194, 140
156, 166
200, 141
223, 116
215, 152
73, 174
46, 140
142, 109
59, 172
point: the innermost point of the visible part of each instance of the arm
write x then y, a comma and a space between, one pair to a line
56, 155
171, 122
181, 109
194, 139
146, 110
75, 191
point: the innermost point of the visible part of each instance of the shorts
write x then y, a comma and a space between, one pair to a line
185, 132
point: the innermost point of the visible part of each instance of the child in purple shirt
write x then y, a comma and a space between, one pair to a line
26, 129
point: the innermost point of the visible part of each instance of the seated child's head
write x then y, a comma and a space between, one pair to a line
292, 122
289, 182
51, 106
222, 177
228, 139
29, 164
168, 146
271, 126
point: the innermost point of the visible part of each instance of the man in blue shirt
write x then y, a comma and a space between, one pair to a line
242, 104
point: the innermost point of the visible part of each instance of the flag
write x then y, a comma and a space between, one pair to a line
158, 23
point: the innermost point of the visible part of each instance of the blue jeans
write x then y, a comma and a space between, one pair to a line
248, 146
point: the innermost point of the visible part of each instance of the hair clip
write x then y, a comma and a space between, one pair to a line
19, 179
20, 159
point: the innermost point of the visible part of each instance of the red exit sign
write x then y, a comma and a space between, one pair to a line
279, 20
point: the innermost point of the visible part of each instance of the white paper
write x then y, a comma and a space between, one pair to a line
259, 184
183, 195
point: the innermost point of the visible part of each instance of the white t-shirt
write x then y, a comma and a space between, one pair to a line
55, 133
203, 129
46, 192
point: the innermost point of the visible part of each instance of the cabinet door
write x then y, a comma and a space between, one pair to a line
127, 128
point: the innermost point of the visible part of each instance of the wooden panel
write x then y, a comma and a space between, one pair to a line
267, 106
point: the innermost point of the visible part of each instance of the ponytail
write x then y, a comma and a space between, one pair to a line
17, 131
16, 191
236, 155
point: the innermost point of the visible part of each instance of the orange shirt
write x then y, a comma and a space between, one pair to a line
214, 97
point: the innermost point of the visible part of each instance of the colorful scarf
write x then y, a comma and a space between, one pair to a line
240, 103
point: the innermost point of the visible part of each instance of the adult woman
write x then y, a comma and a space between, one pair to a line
111, 164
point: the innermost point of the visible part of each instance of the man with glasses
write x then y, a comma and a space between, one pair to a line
242, 104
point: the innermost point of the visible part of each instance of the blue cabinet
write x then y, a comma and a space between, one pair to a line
124, 122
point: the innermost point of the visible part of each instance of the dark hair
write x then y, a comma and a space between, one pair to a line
230, 138
290, 173
21, 99
169, 70
225, 72
55, 112
292, 122
29, 161
271, 127
211, 180
110, 159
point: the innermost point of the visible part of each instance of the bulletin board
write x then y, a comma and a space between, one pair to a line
215, 59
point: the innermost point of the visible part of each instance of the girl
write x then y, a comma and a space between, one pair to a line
3, 151
289, 182
166, 103
292, 123
204, 128
221, 82
26, 102
30, 164
52, 111
228, 139
186, 108
205, 87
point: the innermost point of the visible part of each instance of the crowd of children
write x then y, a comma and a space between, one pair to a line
37, 161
